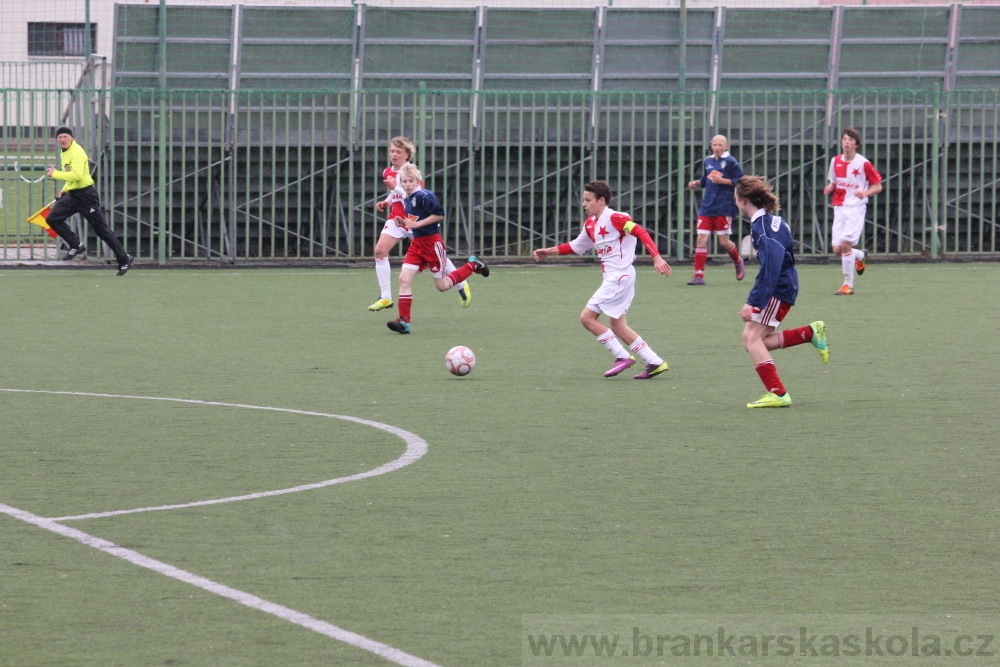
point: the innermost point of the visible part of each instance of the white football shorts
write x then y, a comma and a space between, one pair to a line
848, 223
397, 232
615, 294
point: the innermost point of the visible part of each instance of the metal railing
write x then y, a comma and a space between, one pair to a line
294, 175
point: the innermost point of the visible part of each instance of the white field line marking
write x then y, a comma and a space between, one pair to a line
416, 447
306, 621
17, 168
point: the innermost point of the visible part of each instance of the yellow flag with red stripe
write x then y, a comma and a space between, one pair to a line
39, 218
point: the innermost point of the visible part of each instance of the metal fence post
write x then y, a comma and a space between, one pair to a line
681, 167
935, 168
162, 157
419, 141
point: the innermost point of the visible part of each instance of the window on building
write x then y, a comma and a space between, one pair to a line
60, 39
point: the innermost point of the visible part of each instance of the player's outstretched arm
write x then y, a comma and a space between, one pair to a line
578, 246
661, 265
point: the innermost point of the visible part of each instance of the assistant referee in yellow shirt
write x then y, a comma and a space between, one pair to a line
78, 195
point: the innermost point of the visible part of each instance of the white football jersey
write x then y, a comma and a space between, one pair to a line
850, 178
608, 236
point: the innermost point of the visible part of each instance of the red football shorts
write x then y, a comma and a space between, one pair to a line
773, 313
427, 252
720, 224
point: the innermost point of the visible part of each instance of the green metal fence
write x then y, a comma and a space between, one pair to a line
284, 175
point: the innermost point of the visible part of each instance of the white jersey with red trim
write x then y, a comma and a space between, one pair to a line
396, 196
850, 178
609, 238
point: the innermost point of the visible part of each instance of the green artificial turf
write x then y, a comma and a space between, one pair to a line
547, 490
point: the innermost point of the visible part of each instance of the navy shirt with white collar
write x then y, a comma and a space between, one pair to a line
772, 239
424, 203
718, 199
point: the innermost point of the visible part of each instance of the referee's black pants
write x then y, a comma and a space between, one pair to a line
85, 202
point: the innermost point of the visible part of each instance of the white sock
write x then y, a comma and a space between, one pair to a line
384, 274
847, 265
449, 267
645, 352
608, 340
859, 253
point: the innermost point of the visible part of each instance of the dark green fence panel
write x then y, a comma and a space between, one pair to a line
241, 132
291, 175
321, 39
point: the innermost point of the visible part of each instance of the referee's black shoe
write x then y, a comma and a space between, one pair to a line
123, 267
73, 253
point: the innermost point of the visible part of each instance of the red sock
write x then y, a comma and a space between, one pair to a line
796, 336
734, 252
700, 257
405, 302
462, 273
769, 376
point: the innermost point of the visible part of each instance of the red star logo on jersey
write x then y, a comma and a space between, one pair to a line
603, 231
855, 172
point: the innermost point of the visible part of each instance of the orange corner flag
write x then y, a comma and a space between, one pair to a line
38, 218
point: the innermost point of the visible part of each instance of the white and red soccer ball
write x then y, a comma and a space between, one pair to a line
460, 360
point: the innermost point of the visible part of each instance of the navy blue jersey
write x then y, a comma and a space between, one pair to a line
424, 203
772, 239
718, 199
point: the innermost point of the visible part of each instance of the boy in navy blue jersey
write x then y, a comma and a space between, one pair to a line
715, 214
401, 151
773, 292
424, 214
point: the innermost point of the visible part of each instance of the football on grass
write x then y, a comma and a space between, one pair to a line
460, 360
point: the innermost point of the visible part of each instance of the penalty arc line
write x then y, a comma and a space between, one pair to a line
416, 448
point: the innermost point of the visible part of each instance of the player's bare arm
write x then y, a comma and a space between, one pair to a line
873, 190
661, 265
542, 253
